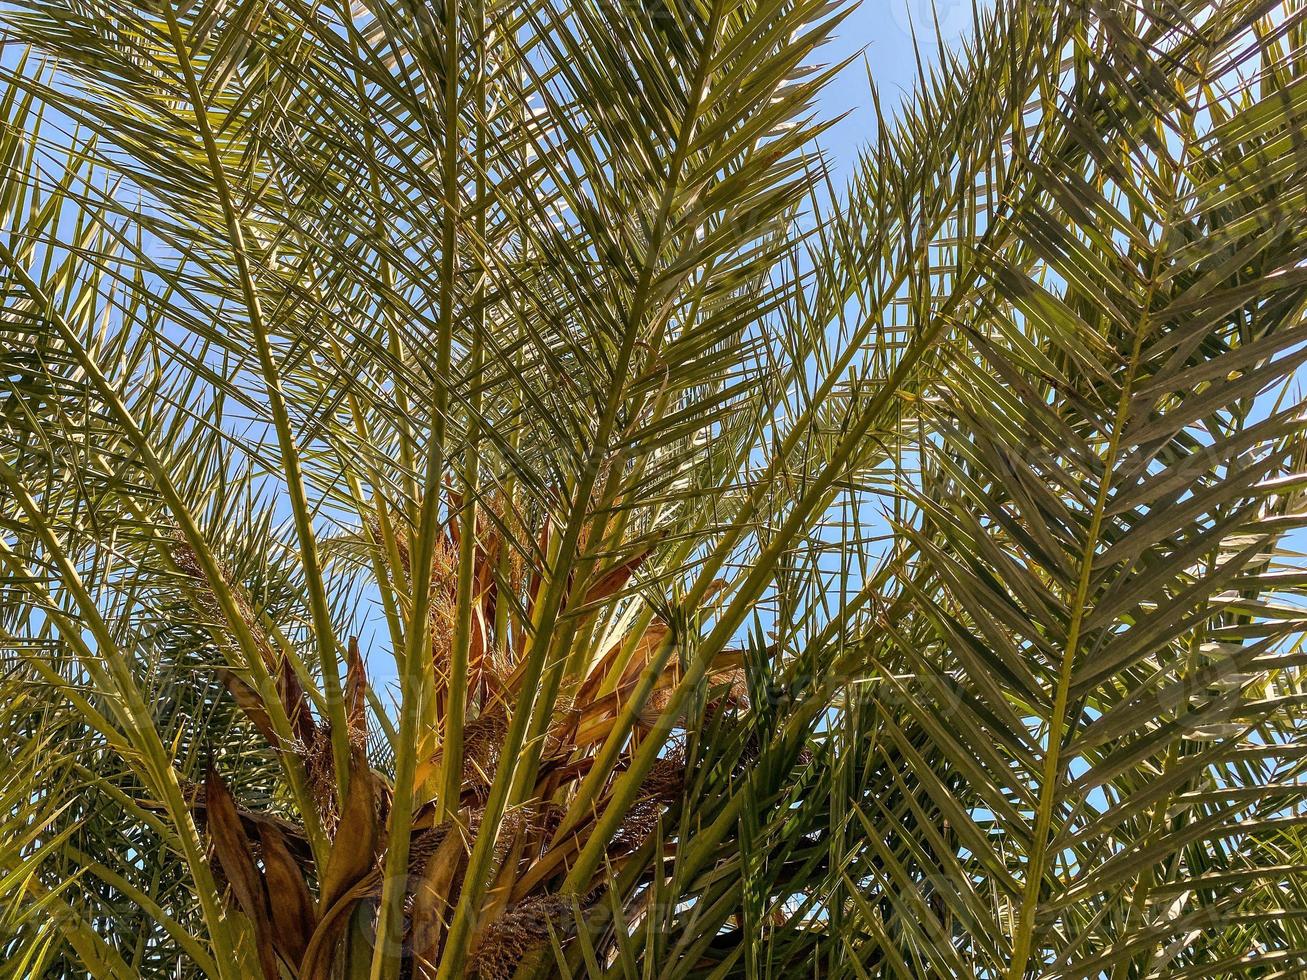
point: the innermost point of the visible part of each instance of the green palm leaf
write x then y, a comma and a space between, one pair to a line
478, 500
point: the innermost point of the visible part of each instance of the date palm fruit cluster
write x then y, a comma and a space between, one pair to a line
265, 857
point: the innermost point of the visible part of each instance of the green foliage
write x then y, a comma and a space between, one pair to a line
895, 580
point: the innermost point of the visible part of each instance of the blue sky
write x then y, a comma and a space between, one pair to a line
881, 29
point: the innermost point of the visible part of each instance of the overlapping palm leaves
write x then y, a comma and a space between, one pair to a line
894, 582
305, 935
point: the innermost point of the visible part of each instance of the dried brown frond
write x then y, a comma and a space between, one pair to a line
252, 820
359, 837
356, 688
295, 702
234, 854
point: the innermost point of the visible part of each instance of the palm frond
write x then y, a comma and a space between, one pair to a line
478, 500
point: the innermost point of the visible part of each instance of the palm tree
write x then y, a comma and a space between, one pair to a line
478, 500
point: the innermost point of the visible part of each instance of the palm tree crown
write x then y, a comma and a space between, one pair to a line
477, 499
